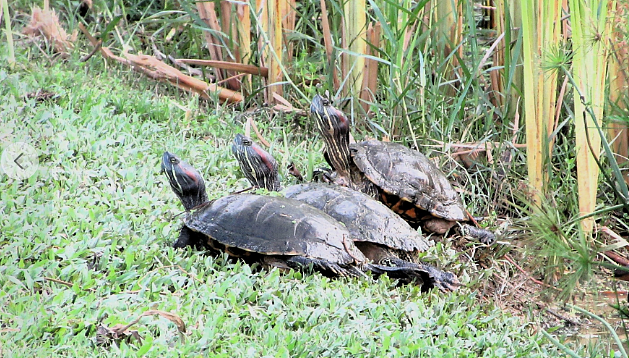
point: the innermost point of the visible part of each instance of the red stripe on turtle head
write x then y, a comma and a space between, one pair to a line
342, 122
264, 155
190, 173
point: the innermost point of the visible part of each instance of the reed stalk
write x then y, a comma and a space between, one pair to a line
370, 78
270, 46
541, 29
618, 68
207, 14
355, 41
506, 80
449, 25
590, 24
4, 14
289, 18
243, 51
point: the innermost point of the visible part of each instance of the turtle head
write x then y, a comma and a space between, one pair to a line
334, 128
185, 181
258, 166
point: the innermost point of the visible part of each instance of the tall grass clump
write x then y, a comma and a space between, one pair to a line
506, 79
568, 255
404, 71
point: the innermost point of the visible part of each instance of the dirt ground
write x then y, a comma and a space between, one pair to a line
510, 284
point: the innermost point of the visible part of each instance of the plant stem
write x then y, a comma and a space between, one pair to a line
7, 29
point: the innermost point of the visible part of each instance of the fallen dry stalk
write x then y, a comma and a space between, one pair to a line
258, 134
160, 71
251, 69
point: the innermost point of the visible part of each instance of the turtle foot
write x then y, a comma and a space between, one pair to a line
482, 235
428, 275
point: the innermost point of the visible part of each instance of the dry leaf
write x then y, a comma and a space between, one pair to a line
46, 23
181, 326
105, 335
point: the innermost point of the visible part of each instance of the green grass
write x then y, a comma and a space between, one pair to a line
99, 215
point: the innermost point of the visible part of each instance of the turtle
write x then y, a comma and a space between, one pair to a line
379, 233
274, 231
403, 179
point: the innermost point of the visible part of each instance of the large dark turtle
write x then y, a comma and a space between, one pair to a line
275, 231
403, 179
380, 234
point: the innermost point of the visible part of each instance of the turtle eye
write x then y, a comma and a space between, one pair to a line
325, 102
246, 141
173, 160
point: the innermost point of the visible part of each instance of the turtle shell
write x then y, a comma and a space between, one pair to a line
274, 226
366, 219
410, 176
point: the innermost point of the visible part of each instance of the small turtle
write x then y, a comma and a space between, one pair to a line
275, 231
403, 179
380, 234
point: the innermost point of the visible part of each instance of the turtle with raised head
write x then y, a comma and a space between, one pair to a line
274, 231
403, 179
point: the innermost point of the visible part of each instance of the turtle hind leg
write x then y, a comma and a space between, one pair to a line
327, 268
437, 225
428, 275
482, 235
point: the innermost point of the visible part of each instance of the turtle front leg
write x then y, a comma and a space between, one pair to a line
428, 275
188, 237
483, 235
441, 226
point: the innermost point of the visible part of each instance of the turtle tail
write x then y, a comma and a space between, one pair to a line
426, 275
